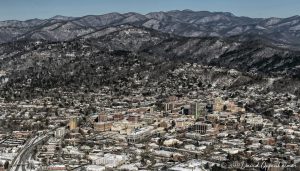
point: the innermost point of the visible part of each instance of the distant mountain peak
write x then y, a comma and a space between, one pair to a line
61, 17
188, 10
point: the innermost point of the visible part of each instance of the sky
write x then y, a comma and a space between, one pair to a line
29, 9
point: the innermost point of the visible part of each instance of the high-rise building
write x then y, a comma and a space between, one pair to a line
73, 123
60, 132
200, 127
198, 109
185, 110
169, 106
210, 108
219, 104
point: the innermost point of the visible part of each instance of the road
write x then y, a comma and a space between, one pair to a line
22, 158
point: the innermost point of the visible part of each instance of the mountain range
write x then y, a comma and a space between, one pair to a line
283, 32
150, 52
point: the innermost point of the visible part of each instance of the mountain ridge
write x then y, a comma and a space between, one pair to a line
187, 23
138, 57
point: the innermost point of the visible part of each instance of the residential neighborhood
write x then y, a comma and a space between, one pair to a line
207, 129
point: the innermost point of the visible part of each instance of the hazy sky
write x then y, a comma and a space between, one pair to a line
27, 9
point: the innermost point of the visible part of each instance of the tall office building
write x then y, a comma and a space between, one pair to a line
198, 109
73, 123
200, 127
219, 104
210, 108
60, 132
169, 106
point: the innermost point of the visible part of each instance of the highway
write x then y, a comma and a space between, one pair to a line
22, 158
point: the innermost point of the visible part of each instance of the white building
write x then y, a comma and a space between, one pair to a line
94, 168
255, 120
111, 160
140, 134
60, 132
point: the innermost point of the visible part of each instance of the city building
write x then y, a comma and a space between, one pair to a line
201, 127
198, 109
140, 134
134, 118
103, 126
102, 117
73, 123
118, 117
218, 104
60, 132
